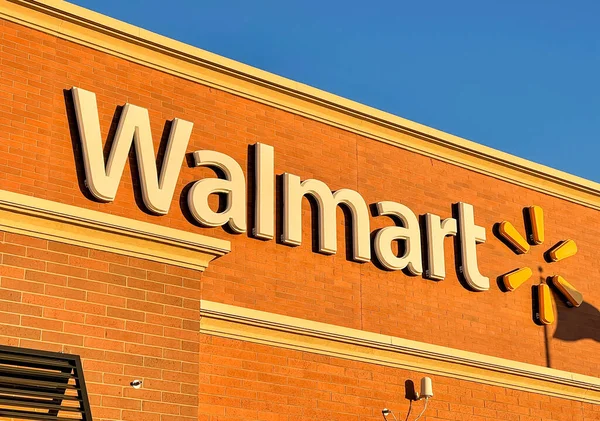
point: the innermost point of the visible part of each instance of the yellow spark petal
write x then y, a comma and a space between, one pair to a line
536, 216
563, 250
510, 234
545, 304
516, 278
574, 297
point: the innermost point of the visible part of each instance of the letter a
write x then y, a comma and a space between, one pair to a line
233, 187
409, 233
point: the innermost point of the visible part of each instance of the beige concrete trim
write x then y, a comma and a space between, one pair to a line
83, 227
120, 39
304, 335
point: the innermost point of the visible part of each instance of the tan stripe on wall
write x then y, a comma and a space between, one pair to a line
321, 338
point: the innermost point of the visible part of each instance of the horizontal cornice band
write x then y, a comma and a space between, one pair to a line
54, 221
326, 339
109, 35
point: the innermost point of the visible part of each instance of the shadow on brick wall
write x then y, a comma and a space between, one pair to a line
574, 324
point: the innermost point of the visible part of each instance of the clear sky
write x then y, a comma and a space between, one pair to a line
519, 76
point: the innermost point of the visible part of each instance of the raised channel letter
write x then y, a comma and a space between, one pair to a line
294, 191
134, 126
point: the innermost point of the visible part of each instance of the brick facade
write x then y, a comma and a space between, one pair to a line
248, 381
127, 318
131, 318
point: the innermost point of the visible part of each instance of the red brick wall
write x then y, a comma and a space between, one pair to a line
126, 316
242, 380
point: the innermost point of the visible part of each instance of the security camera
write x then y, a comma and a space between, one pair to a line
136, 384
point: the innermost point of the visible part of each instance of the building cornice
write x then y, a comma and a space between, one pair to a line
304, 335
54, 221
117, 38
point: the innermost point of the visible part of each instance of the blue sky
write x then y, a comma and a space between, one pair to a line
519, 76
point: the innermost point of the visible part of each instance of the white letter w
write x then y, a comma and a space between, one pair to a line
134, 126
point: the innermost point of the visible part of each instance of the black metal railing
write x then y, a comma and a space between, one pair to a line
39, 385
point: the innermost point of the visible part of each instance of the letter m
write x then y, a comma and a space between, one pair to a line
134, 126
327, 202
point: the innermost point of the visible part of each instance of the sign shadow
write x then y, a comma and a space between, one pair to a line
577, 324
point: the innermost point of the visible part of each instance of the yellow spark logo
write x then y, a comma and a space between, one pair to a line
518, 277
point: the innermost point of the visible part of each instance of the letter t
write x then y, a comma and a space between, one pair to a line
470, 235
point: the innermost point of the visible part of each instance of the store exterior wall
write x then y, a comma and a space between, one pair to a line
233, 327
127, 318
